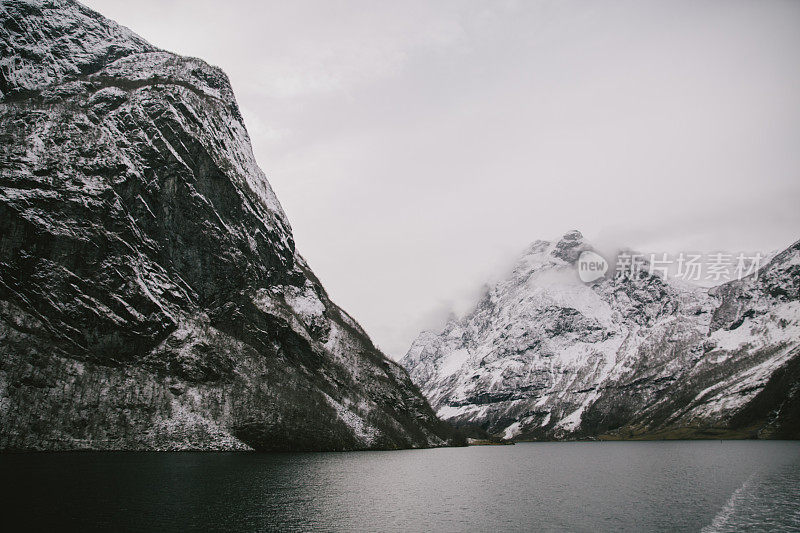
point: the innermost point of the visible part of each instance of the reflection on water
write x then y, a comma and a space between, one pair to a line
636, 486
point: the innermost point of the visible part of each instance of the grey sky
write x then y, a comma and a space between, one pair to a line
418, 147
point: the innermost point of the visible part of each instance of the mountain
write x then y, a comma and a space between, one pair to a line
545, 356
151, 296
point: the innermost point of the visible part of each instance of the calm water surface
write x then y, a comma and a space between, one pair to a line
633, 486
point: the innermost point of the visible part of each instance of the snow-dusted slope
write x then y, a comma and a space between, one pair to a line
38, 49
151, 296
544, 355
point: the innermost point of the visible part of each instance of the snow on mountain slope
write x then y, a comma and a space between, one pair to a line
544, 355
39, 49
151, 296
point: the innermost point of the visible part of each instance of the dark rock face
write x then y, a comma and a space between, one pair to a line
151, 296
570, 246
544, 356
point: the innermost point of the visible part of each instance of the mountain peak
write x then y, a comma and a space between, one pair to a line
572, 235
570, 246
549, 357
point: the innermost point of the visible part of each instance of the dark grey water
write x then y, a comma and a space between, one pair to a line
635, 486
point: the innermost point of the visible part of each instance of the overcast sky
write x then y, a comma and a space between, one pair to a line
418, 147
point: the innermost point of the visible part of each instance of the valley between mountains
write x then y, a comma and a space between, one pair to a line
152, 297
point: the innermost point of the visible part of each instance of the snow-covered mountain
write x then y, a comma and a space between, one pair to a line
547, 356
151, 296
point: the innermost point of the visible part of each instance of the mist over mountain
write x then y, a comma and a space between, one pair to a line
546, 356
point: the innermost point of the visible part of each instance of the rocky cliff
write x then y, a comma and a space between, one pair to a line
546, 356
151, 296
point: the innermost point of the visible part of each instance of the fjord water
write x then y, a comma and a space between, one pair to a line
578, 486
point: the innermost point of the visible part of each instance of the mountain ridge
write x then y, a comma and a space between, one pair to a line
545, 356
